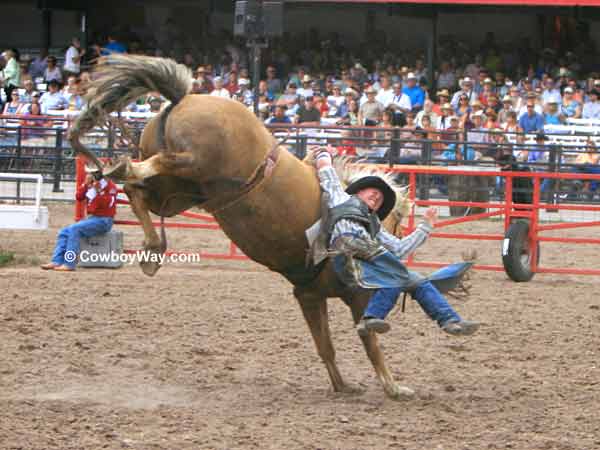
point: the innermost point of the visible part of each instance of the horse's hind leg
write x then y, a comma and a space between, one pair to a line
358, 303
314, 308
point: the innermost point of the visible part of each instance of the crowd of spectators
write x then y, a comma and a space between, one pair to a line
489, 94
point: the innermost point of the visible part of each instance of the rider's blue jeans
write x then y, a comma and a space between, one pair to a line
433, 303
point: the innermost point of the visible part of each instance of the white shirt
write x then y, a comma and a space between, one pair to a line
385, 97
71, 66
221, 93
402, 100
336, 100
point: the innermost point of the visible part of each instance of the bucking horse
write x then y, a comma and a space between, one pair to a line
213, 153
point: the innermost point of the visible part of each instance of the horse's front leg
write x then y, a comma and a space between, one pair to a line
358, 302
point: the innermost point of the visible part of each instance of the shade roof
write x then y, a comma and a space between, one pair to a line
470, 2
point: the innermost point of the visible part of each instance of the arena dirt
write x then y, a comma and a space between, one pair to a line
216, 355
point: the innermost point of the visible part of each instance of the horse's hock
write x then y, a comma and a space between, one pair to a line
468, 188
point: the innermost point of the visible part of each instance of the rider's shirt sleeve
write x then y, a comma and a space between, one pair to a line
405, 246
331, 184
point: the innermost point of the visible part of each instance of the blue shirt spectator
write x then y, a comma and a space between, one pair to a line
53, 99
531, 121
113, 46
450, 153
414, 92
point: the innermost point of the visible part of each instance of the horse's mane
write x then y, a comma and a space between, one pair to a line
350, 170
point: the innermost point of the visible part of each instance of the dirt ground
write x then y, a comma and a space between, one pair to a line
216, 355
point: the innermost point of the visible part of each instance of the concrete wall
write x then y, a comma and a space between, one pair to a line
21, 25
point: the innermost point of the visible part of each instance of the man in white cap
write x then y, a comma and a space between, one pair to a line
364, 255
244, 93
414, 92
466, 88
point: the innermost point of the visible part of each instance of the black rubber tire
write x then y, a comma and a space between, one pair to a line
516, 254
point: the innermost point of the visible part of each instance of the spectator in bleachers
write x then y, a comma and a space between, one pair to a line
487, 91
14, 106
52, 71
38, 65
290, 96
591, 109
400, 103
550, 92
570, 108
466, 89
53, 99
426, 111
336, 99
536, 153
442, 96
274, 84
28, 91
414, 92
350, 116
11, 73
589, 162
30, 120
507, 106
477, 133
443, 122
463, 108
232, 82
73, 58
531, 121
244, 94
204, 80
306, 89
307, 114
385, 93
219, 90
446, 78
278, 116
552, 115
370, 112
113, 45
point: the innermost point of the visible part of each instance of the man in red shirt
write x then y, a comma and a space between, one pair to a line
100, 195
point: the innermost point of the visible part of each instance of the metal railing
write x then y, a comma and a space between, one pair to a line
26, 148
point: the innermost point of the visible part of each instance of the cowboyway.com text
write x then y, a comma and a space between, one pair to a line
139, 256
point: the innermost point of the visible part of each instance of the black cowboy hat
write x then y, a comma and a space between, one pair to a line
389, 196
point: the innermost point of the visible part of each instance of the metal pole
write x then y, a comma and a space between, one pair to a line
255, 73
19, 163
58, 155
431, 54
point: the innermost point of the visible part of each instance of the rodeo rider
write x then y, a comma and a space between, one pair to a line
369, 257
100, 195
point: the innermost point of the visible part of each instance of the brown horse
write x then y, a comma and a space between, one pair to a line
215, 154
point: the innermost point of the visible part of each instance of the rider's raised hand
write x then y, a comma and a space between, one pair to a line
430, 216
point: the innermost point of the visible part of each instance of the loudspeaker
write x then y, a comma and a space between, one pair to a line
255, 19
248, 19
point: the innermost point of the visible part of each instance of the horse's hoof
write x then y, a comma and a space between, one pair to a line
149, 267
400, 393
118, 171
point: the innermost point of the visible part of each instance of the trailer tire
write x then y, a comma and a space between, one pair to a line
516, 252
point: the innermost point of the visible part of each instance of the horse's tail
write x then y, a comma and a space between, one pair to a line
120, 80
